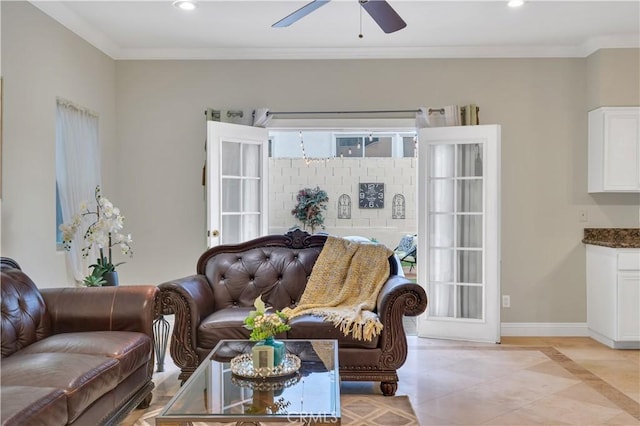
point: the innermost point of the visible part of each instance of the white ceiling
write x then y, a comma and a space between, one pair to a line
237, 29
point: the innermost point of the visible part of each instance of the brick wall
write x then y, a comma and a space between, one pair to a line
341, 176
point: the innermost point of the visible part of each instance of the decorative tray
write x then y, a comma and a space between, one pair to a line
267, 384
242, 365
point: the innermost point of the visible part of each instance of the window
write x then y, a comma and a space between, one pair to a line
409, 146
349, 147
364, 146
324, 144
377, 146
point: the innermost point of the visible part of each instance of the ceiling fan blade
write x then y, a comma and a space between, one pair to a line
300, 13
384, 15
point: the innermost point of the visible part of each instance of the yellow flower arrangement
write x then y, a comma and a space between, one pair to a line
264, 325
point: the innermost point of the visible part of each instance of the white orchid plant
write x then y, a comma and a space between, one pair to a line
103, 231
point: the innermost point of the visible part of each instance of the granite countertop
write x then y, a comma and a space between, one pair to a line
612, 237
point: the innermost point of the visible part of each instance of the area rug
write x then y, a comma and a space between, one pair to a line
357, 410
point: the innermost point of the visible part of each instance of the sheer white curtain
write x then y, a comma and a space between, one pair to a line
251, 191
261, 117
77, 171
441, 232
470, 230
438, 117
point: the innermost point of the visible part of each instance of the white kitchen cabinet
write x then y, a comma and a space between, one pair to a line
614, 149
613, 296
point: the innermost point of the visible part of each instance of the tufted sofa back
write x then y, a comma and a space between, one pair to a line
24, 316
278, 273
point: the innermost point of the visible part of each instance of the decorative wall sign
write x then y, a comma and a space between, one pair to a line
344, 207
398, 207
371, 196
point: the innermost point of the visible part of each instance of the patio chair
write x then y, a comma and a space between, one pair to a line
407, 250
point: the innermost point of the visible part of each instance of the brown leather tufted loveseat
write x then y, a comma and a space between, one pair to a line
211, 305
74, 356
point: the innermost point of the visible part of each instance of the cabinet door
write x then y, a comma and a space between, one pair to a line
614, 149
628, 306
621, 152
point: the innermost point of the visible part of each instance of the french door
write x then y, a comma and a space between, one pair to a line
236, 183
459, 232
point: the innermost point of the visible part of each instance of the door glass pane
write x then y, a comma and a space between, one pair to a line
251, 160
469, 160
441, 161
441, 301
441, 230
251, 195
469, 197
469, 231
230, 159
441, 265
441, 196
230, 232
469, 266
231, 195
469, 302
251, 226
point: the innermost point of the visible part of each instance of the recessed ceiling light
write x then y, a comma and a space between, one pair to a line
515, 3
185, 4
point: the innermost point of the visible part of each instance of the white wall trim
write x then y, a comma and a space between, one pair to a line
544, 329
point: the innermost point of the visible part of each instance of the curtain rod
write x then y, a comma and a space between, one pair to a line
388, 111
343, 112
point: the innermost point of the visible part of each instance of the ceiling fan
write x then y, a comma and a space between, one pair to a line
381, 12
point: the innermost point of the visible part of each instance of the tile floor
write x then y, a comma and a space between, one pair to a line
523, 381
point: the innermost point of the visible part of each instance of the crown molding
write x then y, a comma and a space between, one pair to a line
101, 41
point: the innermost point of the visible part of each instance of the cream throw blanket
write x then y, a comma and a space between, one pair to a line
344, 285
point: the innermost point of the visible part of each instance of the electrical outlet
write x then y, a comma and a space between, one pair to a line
582, 215
506, 301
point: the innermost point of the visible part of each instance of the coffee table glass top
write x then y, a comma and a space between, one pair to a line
213, 393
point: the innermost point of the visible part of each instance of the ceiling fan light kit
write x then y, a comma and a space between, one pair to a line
379, 10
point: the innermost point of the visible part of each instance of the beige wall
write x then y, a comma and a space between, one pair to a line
540, 103
41, 60
613, 78
156, 177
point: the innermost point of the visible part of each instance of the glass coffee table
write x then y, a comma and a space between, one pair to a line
214, 395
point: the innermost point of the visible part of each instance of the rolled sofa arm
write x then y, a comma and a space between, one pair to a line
190, 299
122, 308
397, 298
400, 293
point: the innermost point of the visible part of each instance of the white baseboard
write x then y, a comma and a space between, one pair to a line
578, 329
633, 344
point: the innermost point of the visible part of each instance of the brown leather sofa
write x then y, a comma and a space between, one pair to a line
211, 305
74, 356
